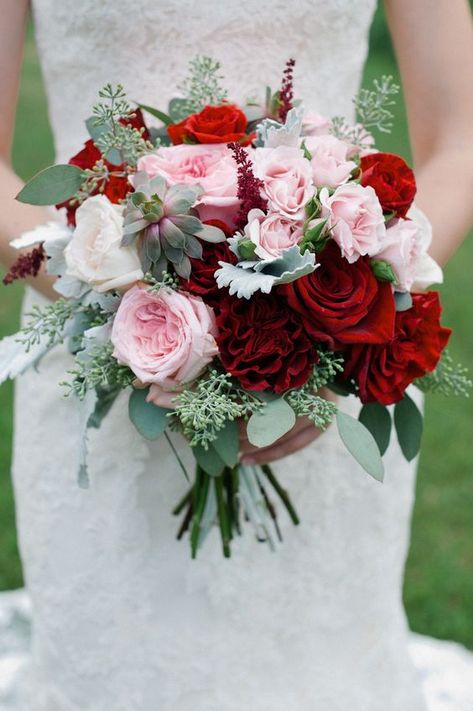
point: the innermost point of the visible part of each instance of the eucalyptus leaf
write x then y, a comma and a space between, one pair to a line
409, 424
361, 444
96, 130
149, 419
270, 423
377, 419
227, 443
209, 459
52, 185
106, 396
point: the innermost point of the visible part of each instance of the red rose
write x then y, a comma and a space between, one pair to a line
202, 280
263, 344
392, 180
343, 303
117, 187
214, 124
383, 372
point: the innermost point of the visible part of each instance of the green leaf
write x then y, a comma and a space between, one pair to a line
403, 300
209, 459
377, 419
409, 424
227, 443
270, 423
382, 270
361, 444
52, 185
150, 420
165, 118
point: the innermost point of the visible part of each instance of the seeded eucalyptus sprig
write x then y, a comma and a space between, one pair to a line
202, 411
117, 140
48, 323
448, 378
203, 85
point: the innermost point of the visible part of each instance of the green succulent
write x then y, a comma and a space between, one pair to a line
165, 224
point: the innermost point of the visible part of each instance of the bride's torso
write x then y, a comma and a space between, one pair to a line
146, 46
319, 624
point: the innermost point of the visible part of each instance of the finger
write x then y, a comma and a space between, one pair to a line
282, 449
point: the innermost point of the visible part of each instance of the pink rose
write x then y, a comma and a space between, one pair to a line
165, 337
355, 218
210, 166
330, 164
287, 178
271, 233
314, 124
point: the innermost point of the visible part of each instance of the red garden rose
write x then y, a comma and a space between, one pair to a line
392, 180
342, 303
214, 124
117, 187
383, 372
264, 344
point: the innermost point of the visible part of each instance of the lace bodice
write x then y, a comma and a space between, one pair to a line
123, 619
147, 44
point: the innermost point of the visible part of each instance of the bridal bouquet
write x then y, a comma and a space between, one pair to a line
229, 268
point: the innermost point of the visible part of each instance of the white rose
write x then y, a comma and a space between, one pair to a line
94, 254
427, 270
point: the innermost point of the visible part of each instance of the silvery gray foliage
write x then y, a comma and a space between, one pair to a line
168, 227
271, 134
245, 278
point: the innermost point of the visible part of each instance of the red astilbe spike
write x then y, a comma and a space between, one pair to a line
26, 265
286, 93
249, 186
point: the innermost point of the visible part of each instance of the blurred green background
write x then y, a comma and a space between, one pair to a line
439, 580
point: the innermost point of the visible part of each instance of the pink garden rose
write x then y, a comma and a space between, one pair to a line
287, 178
330, 164
166, 338
271, 233
355, 218
210, 166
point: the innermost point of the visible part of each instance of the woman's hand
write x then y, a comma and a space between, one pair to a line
302, 434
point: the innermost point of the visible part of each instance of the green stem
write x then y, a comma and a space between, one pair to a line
176, 454
201, 499
182, 503
223, 516
282, 493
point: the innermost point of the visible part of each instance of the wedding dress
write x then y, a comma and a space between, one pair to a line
123, 619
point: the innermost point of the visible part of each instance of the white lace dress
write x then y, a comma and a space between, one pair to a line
123, 619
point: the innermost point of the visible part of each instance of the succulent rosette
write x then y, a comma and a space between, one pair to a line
227, 267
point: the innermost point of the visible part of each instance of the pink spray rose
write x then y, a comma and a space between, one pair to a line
330, 164
355, 218
166, 338
210, 166
271, 233
287, 178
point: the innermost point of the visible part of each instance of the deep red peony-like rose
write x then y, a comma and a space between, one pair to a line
214, 124
117, 187
342, 303
263, 343
383, 372
392, 180
202, 280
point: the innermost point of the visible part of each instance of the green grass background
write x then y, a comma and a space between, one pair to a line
439, 579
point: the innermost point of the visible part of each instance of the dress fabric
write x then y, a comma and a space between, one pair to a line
123, 618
